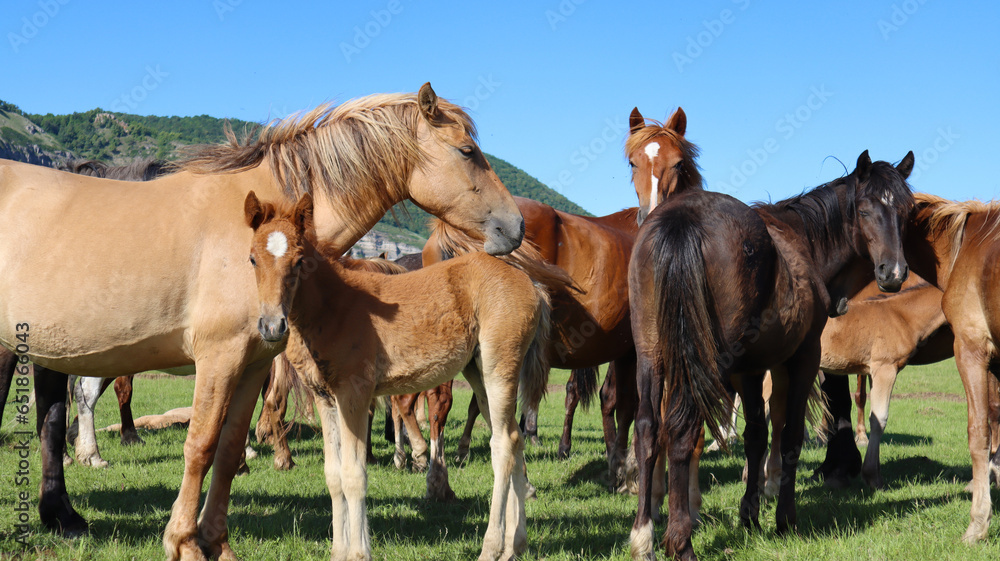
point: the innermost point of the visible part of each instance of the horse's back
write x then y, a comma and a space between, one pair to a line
972, 303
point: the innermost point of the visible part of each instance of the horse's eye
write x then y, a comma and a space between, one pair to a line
632, 165
253, 261
467, 151
863, 214
298, 265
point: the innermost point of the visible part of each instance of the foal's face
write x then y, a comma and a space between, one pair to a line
656, 162
881, 218
276, 255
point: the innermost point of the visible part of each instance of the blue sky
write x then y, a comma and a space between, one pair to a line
772, 90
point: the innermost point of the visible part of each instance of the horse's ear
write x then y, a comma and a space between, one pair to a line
428, 101
303, 213
678, 122
864, 167
383, 255
635, 121
253, 211
905, 167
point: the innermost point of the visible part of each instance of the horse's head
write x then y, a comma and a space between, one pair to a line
276, 255
883, 203
662, 160
456, 183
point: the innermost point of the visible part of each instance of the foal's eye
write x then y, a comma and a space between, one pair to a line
253, 261
632, 165
297, 265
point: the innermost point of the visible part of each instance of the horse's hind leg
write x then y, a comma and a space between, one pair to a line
994, 406
439, 401
777, 400
883, 380
572, 400
750, 388
401, 405
462, 455
622, 470
843, 460
860, 398
608, 399
87, 391
123, 390
413, 433
972, 367
54, 507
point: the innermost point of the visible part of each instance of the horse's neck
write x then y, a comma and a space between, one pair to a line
930, 254
825, 262
339, 227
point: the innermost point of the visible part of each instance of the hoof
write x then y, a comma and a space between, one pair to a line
65, 522
445, 495
94, 461
531, 494
875, 482
243, 469
283, 464
974, 534
462, 455
67, 460
533, 440
563, 452
250, 453
837, 481
399, 460
131, 439
420, 464
861, 439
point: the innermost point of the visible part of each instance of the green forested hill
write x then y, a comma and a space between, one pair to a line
118, 138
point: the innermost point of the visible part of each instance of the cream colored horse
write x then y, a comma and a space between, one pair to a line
108, 279
355, 335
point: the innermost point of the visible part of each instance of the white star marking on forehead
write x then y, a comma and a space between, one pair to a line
887, 199
277, 244
652, 149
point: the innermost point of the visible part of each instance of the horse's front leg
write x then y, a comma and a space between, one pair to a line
87, 391
801, 370
883, 380
352, 407
330, 421
123, 391
972, 366
572, 400
219, 372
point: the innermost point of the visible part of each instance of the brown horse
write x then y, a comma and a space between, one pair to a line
189, 299
721, 291
954, 246
354, 335
591, 316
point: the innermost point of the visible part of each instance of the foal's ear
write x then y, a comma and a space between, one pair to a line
905, 167
303, 213
635, 121
428, 102
253, 211
678, 122
864, 167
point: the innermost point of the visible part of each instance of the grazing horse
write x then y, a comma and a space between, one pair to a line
590, 317
119, 303
954, 246
721, 292
353, 335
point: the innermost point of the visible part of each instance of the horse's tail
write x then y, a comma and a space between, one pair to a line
534, 378
818, 413
688, 329
586, 385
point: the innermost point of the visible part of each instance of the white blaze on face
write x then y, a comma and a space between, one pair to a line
277, 244
652, 149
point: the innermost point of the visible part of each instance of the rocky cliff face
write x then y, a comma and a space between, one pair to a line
375, 243
33, 154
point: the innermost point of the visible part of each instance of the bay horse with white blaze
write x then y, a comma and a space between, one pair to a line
722, 291
354, 335
190, 298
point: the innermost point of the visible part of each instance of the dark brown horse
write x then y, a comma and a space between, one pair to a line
722, 292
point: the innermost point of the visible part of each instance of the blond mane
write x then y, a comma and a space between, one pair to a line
360, 152
947, 218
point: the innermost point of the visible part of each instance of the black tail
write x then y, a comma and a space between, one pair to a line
586, 385
688, 328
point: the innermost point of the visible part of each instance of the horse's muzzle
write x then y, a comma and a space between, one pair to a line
273, 330
503, 236
890, 277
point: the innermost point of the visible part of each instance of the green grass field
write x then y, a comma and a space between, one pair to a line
286, 516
